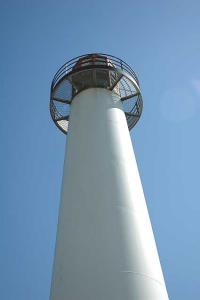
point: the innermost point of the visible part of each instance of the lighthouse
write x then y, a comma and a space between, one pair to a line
105, 247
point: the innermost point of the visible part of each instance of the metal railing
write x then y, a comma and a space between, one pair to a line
110, 62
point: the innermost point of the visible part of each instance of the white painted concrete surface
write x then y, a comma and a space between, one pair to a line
105, 247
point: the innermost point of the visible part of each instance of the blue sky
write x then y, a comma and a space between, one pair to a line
161, 41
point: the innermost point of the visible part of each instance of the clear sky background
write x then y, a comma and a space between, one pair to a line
161, 41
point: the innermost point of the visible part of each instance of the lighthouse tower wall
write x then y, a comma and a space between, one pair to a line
105, 248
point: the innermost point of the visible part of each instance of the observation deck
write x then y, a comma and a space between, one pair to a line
94, 71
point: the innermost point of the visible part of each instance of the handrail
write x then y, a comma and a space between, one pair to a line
71, 64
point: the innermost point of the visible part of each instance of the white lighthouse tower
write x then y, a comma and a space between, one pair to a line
105, 248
